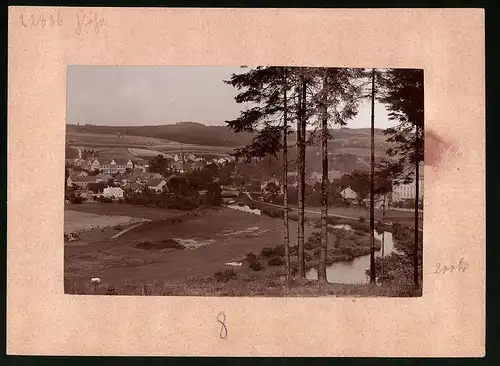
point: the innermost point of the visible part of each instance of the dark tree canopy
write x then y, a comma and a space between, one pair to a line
403, 95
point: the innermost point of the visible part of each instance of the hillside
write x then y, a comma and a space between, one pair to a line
183, 132
221, 136
348, 149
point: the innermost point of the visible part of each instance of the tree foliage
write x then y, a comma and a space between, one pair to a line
403, 95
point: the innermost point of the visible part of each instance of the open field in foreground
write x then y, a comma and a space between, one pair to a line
75, 221
219, 236
241, 286
185, 253
125, 210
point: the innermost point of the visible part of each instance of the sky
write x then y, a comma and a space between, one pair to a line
159, 95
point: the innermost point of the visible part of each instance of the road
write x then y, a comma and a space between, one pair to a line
308, 211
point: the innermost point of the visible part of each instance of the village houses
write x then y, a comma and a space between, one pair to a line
348, 194
113, 166
113, 192
156, 184
81, 181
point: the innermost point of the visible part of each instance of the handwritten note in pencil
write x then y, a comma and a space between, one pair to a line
84, 21
41, 20
88, 19
461, 266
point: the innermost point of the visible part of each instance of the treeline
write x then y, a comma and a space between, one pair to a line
174, 201
194, 189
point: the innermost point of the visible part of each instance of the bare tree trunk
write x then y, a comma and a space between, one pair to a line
324, 182
415, 245
383, 222
300, 175
302, 264
372, 186
285, 179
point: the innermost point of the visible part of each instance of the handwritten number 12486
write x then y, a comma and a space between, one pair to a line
41, 20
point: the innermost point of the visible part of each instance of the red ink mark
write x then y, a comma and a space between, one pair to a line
435, 147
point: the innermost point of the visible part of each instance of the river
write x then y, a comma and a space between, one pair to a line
353, 272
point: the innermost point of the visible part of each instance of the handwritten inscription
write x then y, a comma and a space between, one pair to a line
89, 20
221, 318
42, 20
461, 266
85, 20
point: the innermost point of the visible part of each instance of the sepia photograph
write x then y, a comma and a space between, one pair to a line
193, 181
244, 181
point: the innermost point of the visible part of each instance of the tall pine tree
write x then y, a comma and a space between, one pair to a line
266, 88
404, 99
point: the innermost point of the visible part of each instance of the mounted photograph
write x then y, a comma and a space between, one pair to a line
245, 181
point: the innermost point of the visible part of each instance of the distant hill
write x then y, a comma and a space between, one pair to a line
200, 134
349, 149
184, 132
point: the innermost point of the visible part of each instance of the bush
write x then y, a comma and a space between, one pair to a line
225, 276
255, 265
171, 243
280, 250
347, 250
251, 257
273, 212
276, 261
313, 241
268, 252
164, 244
76, 200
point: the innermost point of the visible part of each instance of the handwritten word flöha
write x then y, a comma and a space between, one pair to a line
89, 20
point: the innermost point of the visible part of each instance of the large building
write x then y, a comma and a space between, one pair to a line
401, 192
112, 166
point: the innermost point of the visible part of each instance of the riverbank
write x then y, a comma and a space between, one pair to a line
344, 245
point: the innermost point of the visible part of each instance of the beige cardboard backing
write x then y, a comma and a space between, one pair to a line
449, 320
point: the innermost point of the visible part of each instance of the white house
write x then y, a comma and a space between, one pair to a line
113, 192
400, 192
156, 184
348, 194
318, 177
